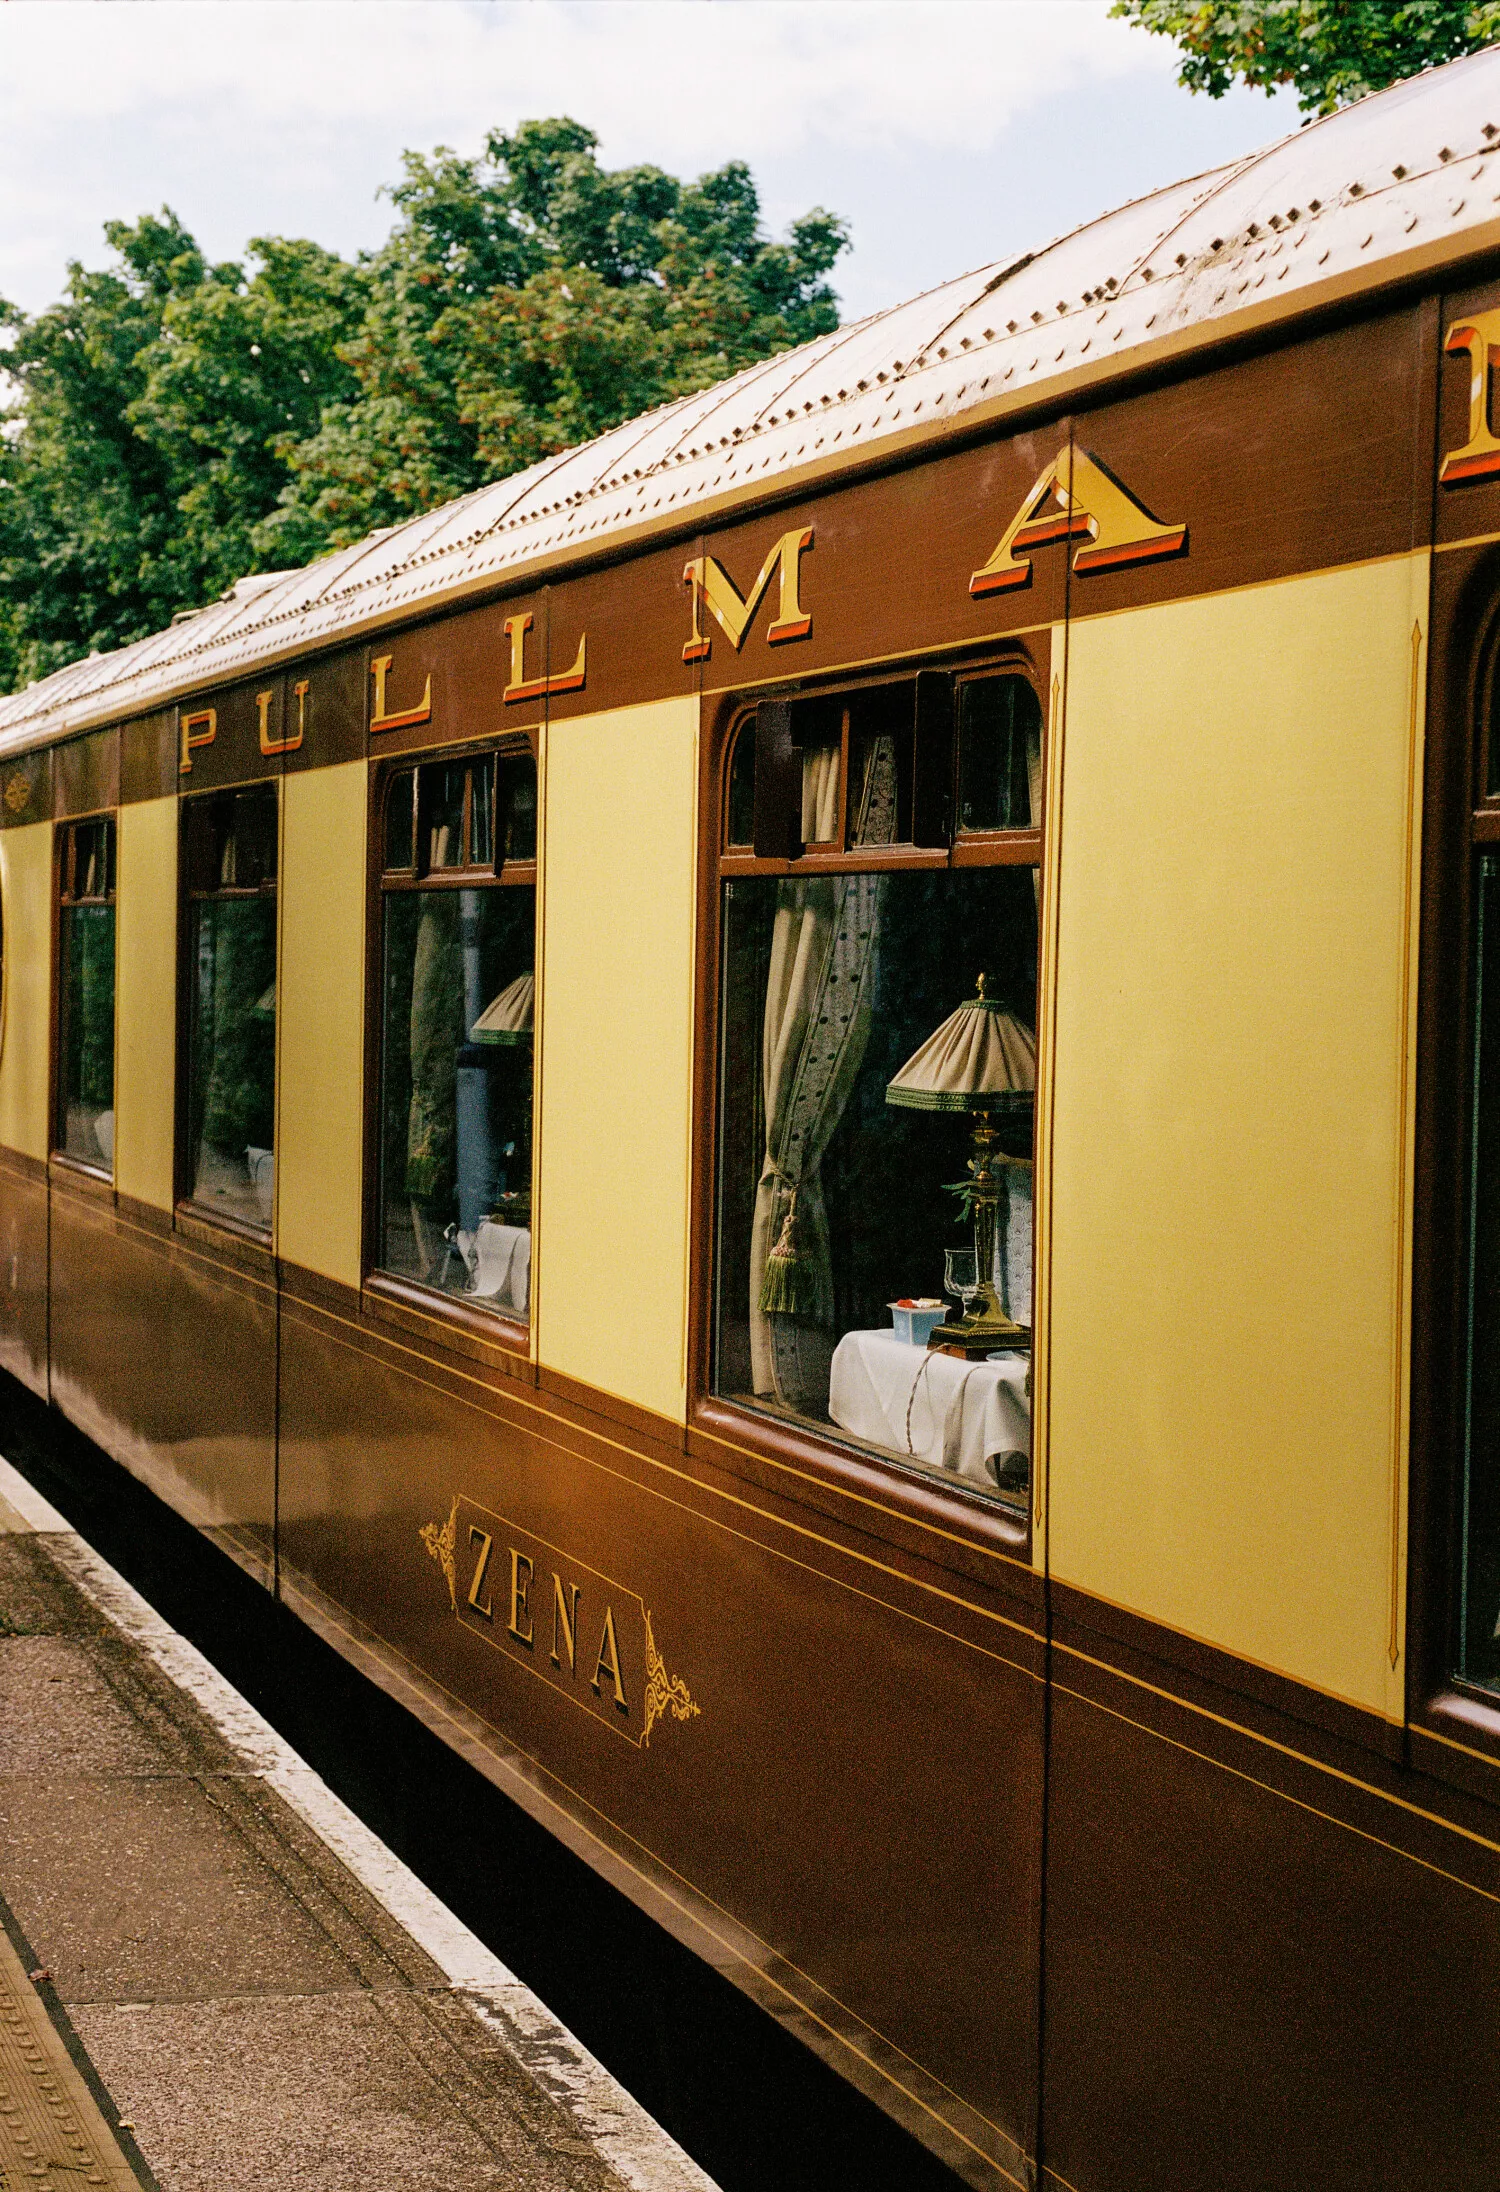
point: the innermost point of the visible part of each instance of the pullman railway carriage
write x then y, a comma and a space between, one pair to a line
514, 1037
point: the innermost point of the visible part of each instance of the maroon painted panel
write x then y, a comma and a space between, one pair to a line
888, 569
804, 1779
1250, 1981
446, 680
23, 1269
149, 757
634, 620
168, 1361
25, 789
86, 775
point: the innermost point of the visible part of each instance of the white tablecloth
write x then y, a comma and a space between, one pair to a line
962, 1417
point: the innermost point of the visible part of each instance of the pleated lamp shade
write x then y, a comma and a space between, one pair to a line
509, 1019
982, 1058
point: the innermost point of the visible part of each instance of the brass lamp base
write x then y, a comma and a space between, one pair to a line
975, 1337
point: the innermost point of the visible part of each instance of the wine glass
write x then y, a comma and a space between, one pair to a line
961, 1266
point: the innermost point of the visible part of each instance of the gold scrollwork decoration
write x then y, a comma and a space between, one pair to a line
440, 1543
664, 1692
17, 792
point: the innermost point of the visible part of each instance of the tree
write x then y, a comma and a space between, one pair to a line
530, 299
177, 424
140, 451
1332, 51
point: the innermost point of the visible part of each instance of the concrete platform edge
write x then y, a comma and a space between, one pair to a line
615, 2124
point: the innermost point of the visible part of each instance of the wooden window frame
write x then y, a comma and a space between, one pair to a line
727, 1432
510, 1334
64, 897
190, 1213
1455, 1724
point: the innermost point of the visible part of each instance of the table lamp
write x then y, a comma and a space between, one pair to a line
509, 1019
982, 1060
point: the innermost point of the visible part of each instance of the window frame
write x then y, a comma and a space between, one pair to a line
186, 1207
510, 1336
64, 898
724, 1431
1455, 1723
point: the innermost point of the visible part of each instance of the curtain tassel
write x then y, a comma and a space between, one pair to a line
788, 1288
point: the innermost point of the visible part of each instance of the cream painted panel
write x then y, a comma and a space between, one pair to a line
1232, 1067
320, 1020
26, 891
146, 1001
620, 794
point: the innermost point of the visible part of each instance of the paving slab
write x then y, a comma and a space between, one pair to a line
247, 1988
320, 2096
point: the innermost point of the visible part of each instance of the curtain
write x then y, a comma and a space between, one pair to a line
819, 997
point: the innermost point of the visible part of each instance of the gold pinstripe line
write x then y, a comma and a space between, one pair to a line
1268, 1742
1297, 1802
743, 1537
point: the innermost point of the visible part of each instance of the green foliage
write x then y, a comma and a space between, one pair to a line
1332, 51
176, 425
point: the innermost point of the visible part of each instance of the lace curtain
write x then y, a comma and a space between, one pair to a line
819, 997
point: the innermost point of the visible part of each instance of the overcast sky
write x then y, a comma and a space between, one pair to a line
947, 133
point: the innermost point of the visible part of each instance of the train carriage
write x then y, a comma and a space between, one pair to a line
798, 1118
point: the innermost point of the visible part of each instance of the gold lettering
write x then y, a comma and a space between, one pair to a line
713, 586
192, 737
520, 1603
522, 687
609, 1661
1077, 499
484, 1541
270, 745
1479, 334
379, 720
565, 1616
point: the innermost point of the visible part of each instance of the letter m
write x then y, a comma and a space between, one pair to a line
733, 613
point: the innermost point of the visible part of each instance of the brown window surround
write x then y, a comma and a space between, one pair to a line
84, 852
1461, 826
765, 816
490, 845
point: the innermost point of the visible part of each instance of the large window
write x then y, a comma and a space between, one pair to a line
229, 878
879, 874
85, 1124
458, 917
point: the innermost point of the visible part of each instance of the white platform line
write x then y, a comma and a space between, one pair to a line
633, 2144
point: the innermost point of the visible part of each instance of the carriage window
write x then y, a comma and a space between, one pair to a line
458, 919
999, 754
229, 880
877, 1046
85, 1124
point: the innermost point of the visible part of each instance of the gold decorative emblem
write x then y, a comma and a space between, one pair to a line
569, 1625
664, 1692
439, 1543
17, 792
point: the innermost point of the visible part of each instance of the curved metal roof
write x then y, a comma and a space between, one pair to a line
1400, 184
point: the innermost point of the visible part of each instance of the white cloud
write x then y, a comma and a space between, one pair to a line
687, 74
921, 118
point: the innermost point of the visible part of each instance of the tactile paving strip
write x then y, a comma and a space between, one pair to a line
52, 2136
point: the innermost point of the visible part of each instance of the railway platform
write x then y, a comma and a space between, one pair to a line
213, 1976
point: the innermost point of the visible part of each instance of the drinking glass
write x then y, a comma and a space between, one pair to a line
962, 1274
